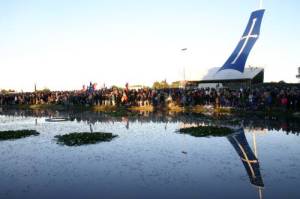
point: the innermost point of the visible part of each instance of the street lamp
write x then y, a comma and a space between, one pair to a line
183, 84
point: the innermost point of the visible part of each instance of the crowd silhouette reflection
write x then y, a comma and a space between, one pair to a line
252, 122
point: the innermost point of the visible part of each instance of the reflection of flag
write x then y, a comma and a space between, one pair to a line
94, 86
126, 88
250, 161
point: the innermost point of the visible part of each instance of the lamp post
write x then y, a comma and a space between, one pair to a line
184, 81
260, 4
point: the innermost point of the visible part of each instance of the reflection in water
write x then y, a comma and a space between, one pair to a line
289, 125
148, 158
249, 159
91, 128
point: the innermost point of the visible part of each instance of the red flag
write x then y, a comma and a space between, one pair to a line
94, 86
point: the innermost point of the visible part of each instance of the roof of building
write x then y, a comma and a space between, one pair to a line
230, 75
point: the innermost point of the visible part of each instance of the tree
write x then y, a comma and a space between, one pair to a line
156, 85
175, 84
160, 85
281, 82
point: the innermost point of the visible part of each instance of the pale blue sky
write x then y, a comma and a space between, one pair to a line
62, 44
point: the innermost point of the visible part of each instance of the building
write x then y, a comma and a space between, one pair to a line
298, 76
234, 79
136, 87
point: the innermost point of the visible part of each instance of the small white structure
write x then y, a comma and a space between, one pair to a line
231, 75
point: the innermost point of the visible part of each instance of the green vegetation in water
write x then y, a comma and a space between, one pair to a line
77, 139
206, 131
12, 135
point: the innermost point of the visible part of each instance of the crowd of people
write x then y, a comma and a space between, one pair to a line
255, 98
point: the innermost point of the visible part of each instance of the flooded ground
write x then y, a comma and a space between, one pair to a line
149, 158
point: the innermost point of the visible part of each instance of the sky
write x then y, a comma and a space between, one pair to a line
63, 44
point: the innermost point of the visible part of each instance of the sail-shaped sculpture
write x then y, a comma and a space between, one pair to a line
250, 161
238, 58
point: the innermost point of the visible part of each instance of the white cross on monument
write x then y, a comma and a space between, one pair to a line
247, 37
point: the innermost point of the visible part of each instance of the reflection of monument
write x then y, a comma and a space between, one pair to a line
249, 159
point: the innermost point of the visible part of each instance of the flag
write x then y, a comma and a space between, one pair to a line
238, 58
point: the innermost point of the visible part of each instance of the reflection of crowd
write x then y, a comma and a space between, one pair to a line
287, 98
253, 122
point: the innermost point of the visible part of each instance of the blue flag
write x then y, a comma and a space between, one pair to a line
238, 58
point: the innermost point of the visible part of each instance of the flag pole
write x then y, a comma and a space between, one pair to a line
260, 4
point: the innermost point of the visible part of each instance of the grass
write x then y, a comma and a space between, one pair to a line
175, 108
78, 139
18, 134
198, 109
104, 108
47, 106
206, 131
223, 110
148, 108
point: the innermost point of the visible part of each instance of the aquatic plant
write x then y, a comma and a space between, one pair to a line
77, 139
206, 131
17, 134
